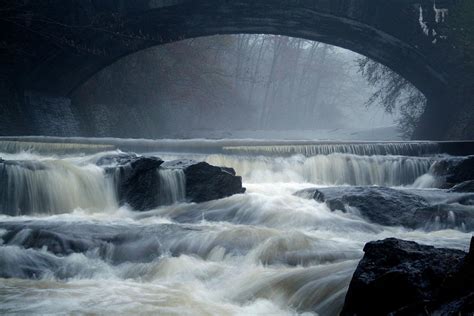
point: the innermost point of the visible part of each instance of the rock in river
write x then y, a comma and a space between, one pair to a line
397, 277
145, 183
379, 205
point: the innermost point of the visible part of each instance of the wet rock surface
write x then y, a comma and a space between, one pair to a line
138, 180
205, 182
399, 277
39, 249
379, 205
392, 207
466, 186
454, 171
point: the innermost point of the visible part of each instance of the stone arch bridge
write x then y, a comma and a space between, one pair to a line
52, 47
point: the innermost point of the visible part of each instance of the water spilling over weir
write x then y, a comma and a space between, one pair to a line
363, 149
66, 246
229, 146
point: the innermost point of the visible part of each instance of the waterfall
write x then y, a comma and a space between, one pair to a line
334, 169
365, 149
355, 170
172, 188
51, 187
58, 186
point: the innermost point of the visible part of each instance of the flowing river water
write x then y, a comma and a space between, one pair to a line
265, 252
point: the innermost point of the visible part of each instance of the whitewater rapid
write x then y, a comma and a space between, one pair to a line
265, 252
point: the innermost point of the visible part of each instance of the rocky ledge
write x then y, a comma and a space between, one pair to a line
397, 277
379, 205
392, 207
456, 173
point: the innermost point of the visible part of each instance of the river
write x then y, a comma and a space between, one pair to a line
265, 252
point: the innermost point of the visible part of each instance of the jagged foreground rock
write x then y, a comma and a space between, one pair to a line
397, 277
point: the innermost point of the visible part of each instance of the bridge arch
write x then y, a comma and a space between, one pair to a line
391, 32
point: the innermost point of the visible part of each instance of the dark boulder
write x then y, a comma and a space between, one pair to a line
461, 172
205, 182
456, 294
463, 187
379, 205
454, 170
141, 184
399, 277
138, 183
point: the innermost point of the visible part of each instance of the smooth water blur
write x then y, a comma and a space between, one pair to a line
172, 186
266, 252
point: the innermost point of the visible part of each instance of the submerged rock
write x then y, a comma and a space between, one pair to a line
441, 216
42, 248
466, 186
54, 242
379, 205
399, 277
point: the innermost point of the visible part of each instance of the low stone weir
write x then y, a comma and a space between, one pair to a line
52, 148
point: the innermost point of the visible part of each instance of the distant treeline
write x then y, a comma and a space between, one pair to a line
227, 82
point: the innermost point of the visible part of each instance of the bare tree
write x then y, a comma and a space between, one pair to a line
394, 93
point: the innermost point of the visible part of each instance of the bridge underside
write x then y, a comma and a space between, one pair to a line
387, 32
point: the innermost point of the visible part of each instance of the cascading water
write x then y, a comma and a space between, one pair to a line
172, 186
334, 169
364, 149
265, 252
53, 186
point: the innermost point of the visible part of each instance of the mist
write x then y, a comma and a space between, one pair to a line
235, 86
178, 157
